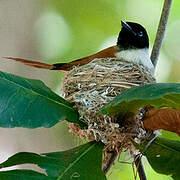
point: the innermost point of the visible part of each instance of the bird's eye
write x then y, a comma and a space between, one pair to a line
140, 34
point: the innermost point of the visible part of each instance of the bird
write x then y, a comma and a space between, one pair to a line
95, 80
132, 46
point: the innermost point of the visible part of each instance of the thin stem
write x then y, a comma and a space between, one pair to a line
161, 31
110, 162
140, 168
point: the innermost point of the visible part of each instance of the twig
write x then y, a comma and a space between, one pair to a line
140, 168
110, 162
161, 31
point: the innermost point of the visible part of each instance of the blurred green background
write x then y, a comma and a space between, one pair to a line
63, 30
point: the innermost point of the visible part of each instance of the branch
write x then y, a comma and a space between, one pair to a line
140, 168
161, 31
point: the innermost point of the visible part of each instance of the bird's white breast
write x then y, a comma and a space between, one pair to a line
139, 56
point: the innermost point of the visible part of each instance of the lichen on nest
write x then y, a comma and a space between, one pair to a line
93, 85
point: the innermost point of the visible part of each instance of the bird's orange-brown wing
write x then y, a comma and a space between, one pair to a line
108, 52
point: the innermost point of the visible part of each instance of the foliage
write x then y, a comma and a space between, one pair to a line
157, 95
71, 164
165, 118
163, 155
29, 103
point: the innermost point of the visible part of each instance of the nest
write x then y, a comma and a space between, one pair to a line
93, 85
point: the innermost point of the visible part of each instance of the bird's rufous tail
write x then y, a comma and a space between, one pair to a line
37, 64
108, 52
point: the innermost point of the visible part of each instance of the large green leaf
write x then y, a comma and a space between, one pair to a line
157, 95
164, 156
83, 162
29, 103
23, 175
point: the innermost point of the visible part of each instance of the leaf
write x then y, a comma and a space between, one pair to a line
82, 162
23, 175
166, 118
158, 95
164, 156
29, 103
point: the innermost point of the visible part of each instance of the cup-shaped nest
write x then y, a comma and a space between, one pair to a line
93, 85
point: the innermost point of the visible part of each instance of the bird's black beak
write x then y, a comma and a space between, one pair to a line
125, 25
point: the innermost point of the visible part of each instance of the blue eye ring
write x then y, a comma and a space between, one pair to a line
140, 34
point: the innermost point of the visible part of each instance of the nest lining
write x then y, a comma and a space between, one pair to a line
93, 85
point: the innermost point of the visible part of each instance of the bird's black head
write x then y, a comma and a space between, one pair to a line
132, 36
